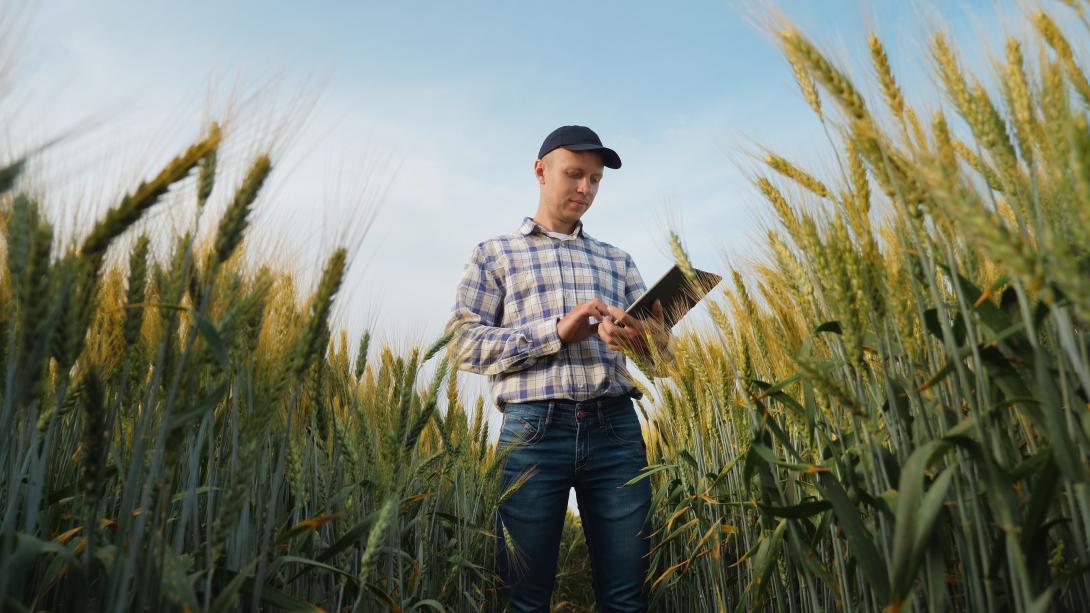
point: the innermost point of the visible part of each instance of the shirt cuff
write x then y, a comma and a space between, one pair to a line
544, 339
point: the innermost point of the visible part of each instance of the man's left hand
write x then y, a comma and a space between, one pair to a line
621, 331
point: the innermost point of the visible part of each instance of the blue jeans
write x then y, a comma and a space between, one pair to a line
595, 447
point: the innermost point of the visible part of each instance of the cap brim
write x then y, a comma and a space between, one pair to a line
609, 156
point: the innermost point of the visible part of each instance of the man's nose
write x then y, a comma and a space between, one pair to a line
584, 186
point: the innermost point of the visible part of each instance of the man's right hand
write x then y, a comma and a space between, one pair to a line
576, 326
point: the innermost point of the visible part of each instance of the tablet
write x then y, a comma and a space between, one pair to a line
678, 296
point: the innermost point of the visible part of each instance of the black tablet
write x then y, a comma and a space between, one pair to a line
678, 296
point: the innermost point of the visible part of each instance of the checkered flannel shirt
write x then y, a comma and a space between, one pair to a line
511, 295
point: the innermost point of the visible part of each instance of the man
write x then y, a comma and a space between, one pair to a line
541, 312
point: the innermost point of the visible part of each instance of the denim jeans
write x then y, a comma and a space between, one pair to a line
595, 447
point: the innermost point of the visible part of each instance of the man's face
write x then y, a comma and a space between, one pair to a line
569, 181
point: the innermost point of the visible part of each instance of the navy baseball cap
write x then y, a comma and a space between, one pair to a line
579, 138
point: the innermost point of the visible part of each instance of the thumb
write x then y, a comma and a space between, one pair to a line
656, 310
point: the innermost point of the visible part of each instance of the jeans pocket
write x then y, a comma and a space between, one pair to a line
623, 428
521, 428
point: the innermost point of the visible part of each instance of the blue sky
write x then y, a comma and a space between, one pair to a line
425, 117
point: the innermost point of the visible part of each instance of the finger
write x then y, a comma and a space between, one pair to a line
656, 310
616, 331
618, 335
597, 308
590, 309
620, 316
608, 316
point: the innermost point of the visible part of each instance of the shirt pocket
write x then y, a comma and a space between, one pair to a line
611, 286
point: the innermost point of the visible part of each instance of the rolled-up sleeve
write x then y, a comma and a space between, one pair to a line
481, 344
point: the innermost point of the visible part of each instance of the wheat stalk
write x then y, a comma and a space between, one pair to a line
235, 219
803, 51
797, 175
132, 206
894, 98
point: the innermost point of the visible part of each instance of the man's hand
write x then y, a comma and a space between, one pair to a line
576, 326
621, 331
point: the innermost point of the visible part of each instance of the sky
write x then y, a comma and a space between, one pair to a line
407, 131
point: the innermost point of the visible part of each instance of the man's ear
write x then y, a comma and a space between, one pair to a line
539, 171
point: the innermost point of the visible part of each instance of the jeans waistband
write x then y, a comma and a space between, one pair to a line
592, 403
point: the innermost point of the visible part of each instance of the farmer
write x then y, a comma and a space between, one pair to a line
541, 312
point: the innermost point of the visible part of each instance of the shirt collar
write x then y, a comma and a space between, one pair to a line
529, 226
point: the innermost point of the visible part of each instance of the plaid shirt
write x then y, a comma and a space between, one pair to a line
511, 295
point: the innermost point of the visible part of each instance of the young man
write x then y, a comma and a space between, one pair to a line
541, 312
